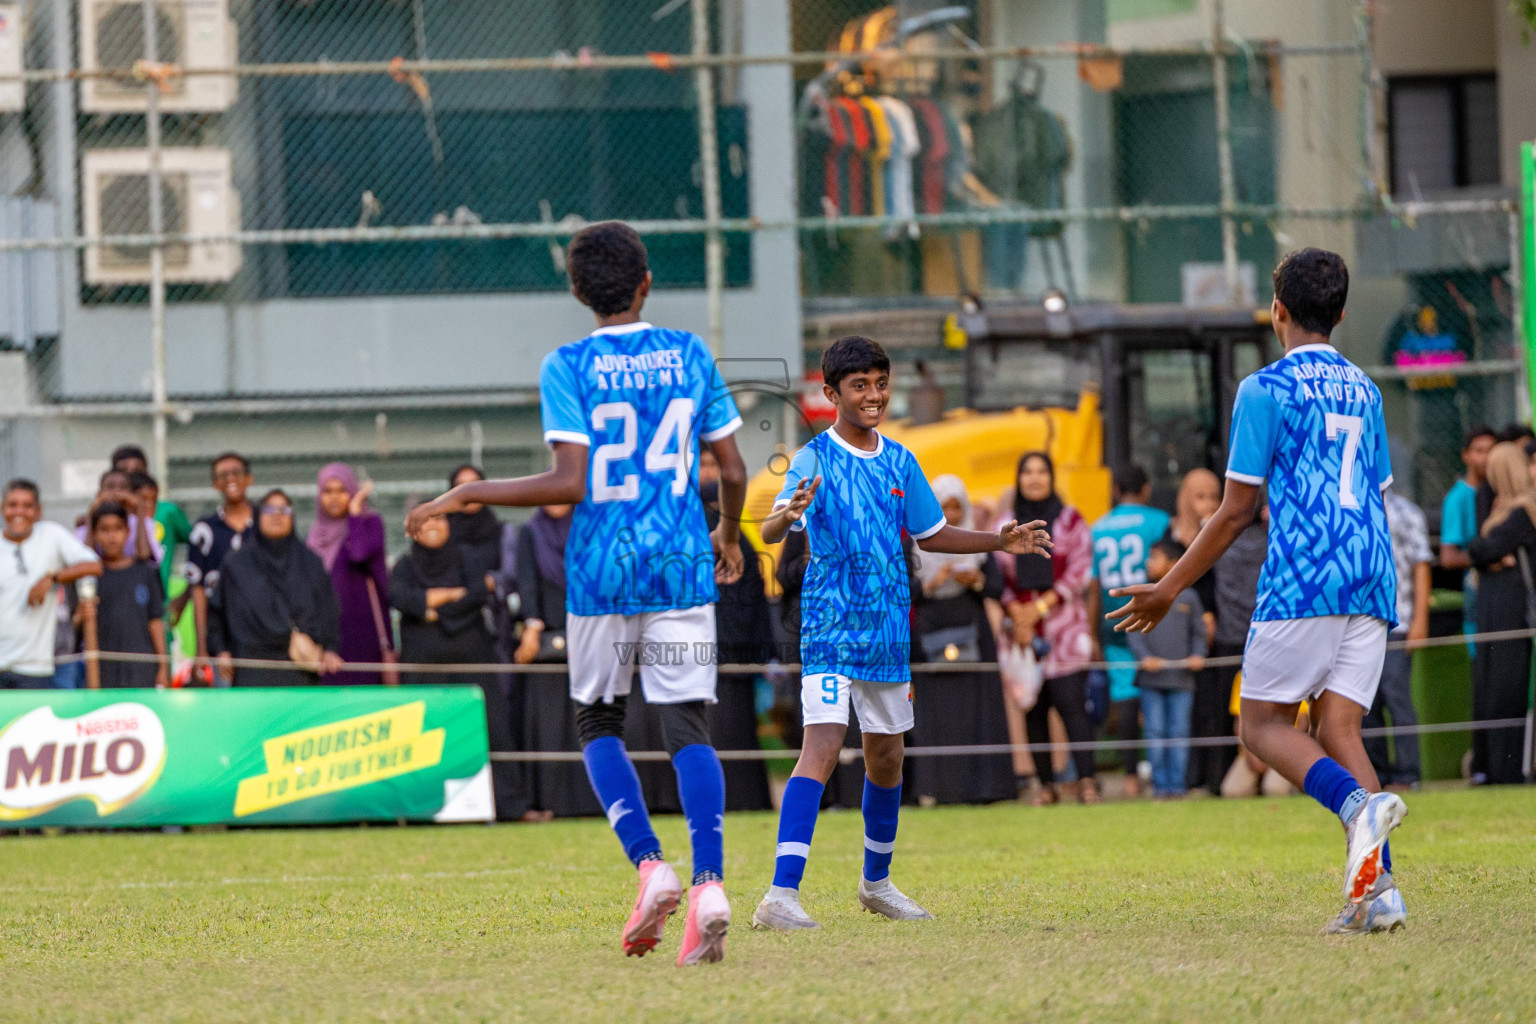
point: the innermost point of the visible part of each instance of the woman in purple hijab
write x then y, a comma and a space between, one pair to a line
349, 538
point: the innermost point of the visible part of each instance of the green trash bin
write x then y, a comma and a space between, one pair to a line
1442, 690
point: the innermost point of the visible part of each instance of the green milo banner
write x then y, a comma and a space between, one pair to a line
93, 758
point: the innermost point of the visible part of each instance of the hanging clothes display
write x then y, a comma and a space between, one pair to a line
904, 146
879, 154
856, 150
935, 152
887, 133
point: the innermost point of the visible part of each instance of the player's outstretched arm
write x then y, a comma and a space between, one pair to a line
1151, 601
726, 537
564, 484
1015, 538
776, 526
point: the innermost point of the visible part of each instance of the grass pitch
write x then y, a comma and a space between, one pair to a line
1203, 911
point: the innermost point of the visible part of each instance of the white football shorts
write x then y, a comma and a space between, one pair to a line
883, 708
1288, 661
674, 649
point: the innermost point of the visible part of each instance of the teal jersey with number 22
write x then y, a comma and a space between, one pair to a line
1121, 540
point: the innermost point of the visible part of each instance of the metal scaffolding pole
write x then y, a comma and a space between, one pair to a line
1224, 153
1519, 281
709, 158
160, 461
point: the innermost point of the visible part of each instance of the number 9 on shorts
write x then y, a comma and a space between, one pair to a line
883, 708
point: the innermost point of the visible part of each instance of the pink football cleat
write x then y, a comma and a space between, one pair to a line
709, 915
659, 894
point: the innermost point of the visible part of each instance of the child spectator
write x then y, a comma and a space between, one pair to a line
216, 536
1458, 518
116, 487
129, 605
168, 528
169, 525
1168, 693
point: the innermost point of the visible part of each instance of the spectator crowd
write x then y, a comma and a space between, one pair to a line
324, 604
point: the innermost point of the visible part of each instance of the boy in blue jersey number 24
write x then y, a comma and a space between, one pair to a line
625, 410
854, 492
1310, 426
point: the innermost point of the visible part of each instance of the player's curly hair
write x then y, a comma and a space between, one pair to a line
607, 265
849, 355
1313, 284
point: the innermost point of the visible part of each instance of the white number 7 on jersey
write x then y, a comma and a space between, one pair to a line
1351, 427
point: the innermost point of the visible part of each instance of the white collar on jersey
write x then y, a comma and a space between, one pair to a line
860, 452
638, 325
1320, 346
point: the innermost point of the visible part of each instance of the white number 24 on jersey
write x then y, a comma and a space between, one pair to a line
673, 433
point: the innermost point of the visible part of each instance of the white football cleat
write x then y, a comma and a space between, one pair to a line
885, 899
1366, 835
1383, 910
781, 912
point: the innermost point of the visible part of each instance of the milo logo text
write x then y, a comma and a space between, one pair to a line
110, 756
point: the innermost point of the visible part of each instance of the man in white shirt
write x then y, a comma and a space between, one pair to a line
35, 559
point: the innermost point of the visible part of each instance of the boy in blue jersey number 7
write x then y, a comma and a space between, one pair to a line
625, 410
854, 492
1311, 427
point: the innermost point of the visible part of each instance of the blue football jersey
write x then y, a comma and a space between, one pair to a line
857, 598
641, 398
1310, 425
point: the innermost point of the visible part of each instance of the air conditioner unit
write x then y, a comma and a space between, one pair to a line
198, 198
191, 34
13, 95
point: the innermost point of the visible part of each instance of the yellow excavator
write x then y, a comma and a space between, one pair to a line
1094, 385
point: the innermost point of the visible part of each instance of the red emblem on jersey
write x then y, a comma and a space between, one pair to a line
898, 492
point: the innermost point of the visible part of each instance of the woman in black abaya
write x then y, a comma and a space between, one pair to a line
268, 592
441, 623
958, 708
548, 723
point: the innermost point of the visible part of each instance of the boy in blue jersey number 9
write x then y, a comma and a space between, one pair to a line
625, 410
854, 492
1311, 427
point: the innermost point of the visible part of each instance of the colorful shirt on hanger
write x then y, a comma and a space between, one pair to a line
905, 145
935, 148
859, 135
879, 155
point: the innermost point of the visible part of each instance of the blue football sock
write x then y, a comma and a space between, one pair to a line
618, 790
881, 808
1386, 857
1330, 785
797, 823
701, 786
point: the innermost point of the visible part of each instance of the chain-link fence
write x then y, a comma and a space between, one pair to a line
350, 193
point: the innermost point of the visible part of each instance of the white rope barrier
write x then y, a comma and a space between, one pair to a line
752, 668
848, 755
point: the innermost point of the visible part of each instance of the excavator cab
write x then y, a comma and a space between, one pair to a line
1165, 377
1094, 386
